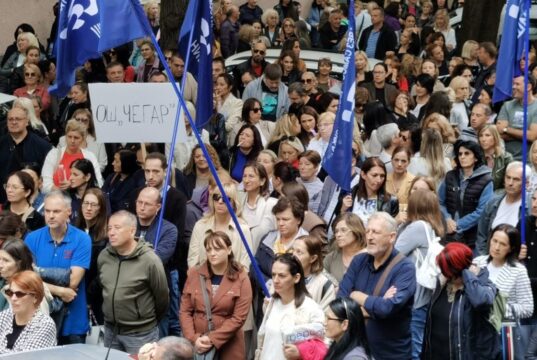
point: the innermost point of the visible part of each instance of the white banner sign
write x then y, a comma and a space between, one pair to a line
135, 112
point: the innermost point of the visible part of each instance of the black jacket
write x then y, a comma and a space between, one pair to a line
387, 41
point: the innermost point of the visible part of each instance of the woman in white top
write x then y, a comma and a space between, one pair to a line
255, 203
441, 24
325, 124
227, 105
508, 274
85, 118
289, 314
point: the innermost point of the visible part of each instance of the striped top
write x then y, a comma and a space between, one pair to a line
514, 282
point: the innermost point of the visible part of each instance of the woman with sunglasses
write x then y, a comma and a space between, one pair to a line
252, 115
218, 218
289, 315
345, 325
33, 85
246, 147
287, 31
220, 275
19, 190
24, 326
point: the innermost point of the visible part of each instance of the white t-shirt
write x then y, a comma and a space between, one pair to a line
507, 213
493, 271
273, 343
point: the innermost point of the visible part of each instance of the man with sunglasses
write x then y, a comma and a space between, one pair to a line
255, 65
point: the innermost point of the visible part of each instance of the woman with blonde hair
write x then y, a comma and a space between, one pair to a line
469, 55
430, 160
325, 124
33, 85
461, 105
496, 158
152, 11
361, 62
218, 218
287, 126
57, 166
441, 124
18, 58
35, 123
441, 24
424, 222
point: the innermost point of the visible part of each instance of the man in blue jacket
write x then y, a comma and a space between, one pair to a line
383, 283
148, 205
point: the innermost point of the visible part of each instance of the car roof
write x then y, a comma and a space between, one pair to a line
69, 352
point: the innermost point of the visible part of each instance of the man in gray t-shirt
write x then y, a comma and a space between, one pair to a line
511, 117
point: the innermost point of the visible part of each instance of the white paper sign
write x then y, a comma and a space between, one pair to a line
135, 112
4, 98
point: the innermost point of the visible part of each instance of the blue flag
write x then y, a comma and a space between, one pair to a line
511, 49
195, 42
338, 155
85, 29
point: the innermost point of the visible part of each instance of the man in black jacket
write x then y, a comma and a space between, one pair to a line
20, 147
377, 39
255, 65
250, 12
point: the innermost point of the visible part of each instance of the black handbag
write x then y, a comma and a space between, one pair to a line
212, 354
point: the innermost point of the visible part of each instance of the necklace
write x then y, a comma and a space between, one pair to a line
451, 292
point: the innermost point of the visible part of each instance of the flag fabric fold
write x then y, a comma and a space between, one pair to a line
338, 155
86, 28
511, 49
195, 45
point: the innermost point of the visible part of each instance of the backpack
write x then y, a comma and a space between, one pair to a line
427, 270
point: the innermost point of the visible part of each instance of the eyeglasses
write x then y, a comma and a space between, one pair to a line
306, 81
14, 187
90, 204
261, 52
18, 294
30, 74
256, 110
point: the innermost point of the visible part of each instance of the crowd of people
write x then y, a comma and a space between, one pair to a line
422, 259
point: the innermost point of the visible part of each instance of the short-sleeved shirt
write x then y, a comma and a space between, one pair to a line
513, 112
74, 250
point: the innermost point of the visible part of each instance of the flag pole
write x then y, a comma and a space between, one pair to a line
174, 140
527, 5
143, 20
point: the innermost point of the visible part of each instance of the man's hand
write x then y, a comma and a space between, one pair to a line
523, 252
359, 297
390, 293
68, 295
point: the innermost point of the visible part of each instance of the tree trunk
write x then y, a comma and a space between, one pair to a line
480, 20
172, 13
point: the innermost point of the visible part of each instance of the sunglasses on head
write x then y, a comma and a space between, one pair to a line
288, 138
217, 197
18, 294
261, 52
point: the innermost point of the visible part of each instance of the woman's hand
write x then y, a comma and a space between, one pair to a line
64, 185
291, 352
451, 226
203, 344
346, 203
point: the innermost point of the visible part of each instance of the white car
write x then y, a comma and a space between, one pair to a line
310, 57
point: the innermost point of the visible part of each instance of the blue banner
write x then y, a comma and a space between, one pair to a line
511, 49
85, 29
195, 46
338, 155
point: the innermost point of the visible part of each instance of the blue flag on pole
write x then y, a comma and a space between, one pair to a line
511, 49
197, 49
338, 155
85, 29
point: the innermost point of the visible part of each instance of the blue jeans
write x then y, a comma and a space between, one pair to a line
417, 328
128, 343
174, 327
528, 334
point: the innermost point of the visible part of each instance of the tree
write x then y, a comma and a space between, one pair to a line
480, 20
172, 13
